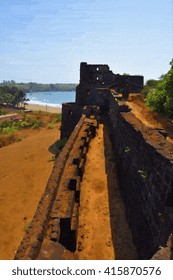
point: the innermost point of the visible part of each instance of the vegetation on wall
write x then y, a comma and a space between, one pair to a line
160, 95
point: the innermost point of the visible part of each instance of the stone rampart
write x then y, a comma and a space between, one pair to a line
54, 225
144, 161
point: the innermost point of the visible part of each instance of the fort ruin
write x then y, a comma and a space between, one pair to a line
142, 161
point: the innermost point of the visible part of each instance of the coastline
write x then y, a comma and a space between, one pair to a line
45, 108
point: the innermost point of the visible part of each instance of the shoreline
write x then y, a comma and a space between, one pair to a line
42, 108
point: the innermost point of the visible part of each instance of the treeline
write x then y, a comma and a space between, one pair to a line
12, 96
36, 87
159, 93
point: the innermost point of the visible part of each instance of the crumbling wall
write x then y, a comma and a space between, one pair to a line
52, 232
71, 114
93, 90
144, 161
95, 77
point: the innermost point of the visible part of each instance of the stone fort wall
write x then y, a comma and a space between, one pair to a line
144, 161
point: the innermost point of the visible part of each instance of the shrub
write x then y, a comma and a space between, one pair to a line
28, 122
7, 135
53, 158
5, 124
8, 131
59, 118
160, 99
37, 125
50, 125
31, 122
3, 112
150, 84
156, 100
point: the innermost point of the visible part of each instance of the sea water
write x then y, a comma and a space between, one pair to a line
50, 98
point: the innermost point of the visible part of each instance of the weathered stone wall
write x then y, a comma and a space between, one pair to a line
62, 190
93, 90
144, 162
71, 114
94, 77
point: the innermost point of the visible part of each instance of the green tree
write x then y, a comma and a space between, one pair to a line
150, 84
160, 98
12, 96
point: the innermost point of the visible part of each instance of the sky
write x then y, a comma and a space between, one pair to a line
46, 40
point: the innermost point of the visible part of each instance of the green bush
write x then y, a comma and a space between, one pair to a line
156, 100
150, 84
37, 125
50, 125
31, 122
28, 122
8, 131
3, 112
5, 124
58, 118
160, 99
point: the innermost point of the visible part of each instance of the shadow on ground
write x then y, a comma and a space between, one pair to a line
122, 239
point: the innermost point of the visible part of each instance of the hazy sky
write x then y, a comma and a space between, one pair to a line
45, 40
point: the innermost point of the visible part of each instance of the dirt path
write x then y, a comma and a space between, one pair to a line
24, 171
151, 119
94, 235
144, 115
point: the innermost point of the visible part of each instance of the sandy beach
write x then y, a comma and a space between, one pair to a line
42, 108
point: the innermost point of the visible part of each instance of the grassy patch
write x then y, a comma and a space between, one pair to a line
53, 158
28, 122
50, 125
7, 135
26, 227
3, 112
8, 129
18, 139
31, 121
59, 118
41, 113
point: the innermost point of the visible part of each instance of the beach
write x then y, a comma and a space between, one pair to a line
42, 108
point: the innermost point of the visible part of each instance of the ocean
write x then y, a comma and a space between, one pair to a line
51, 98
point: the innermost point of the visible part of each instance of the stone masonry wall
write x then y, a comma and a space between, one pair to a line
32, 241
144, 162
71, 114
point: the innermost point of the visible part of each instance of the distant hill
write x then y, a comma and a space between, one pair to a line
36, 87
